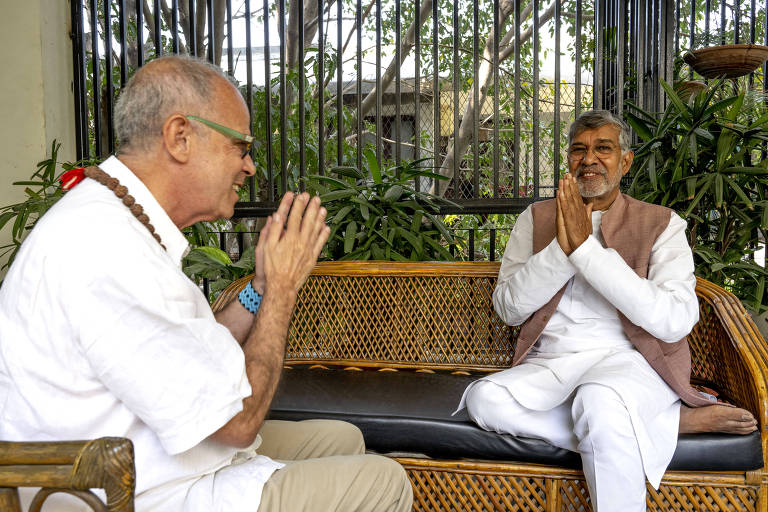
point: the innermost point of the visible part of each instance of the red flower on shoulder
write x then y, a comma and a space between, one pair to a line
71, 178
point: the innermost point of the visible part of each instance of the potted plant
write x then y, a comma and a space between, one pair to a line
704, 158
715, 59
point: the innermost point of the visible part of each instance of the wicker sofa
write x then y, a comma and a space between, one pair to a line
390, 347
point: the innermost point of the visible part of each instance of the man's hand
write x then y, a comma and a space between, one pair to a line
291, 247
285, 255
574, 219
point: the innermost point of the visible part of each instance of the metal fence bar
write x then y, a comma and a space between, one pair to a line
359, 85
230, 50
158, 31
192, 41
211, 31
471, 254
123, 44
417, 89
340, 91
79, 82
492, 243
398, 105
283, 100
577, 64
536, 120
270, 157
249, 87
475, 98
96, 78
378, 84
722, 22
320, 84
175, 25
108, 77
599, 88
301, 100
437, 129
456, 75
518, 100
140, 33
495, 57
556, 140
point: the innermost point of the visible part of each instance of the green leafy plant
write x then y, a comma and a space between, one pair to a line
704, 157
42, 190
207, 262
380, 215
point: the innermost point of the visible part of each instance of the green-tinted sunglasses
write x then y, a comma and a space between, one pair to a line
229, 132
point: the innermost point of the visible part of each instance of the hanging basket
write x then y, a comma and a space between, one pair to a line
731, 60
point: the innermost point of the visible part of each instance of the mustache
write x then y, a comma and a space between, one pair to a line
590, 168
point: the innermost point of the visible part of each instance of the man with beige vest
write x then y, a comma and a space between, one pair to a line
604, 289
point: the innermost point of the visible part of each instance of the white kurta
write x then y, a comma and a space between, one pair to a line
584, 341
101, 334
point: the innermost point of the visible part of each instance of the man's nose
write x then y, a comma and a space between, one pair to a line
248, 166
589, 157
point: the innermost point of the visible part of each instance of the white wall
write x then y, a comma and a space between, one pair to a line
36, 98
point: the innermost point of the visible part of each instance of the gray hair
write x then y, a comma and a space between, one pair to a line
164, 86
592, 119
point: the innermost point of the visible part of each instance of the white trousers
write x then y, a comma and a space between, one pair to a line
593, 422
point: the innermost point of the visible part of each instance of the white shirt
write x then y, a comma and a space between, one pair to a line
101, 334
584, 341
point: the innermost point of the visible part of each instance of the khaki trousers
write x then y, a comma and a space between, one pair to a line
327, 470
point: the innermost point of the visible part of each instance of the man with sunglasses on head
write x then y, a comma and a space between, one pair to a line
603, 287
101, 333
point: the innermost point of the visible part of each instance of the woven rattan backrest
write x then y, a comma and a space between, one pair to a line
425, 315
440, 315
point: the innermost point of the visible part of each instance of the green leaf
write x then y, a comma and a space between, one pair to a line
364, 211
337, 194
759, 292
349, 236
5, 217
638, 125
213, 254
694, 150
373, 166
394, 193
675, 99
342, 213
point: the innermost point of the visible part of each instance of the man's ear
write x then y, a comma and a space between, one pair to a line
177, 137
626, 161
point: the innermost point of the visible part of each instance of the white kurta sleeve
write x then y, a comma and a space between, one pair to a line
527, 281
665, 303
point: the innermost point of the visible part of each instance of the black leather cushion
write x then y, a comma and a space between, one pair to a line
411, 412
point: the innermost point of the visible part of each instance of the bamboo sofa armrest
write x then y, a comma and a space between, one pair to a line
73, 467
729, 354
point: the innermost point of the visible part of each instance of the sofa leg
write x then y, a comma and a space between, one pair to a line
9, 499
554, 498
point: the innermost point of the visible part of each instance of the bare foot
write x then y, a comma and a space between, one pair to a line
716, 418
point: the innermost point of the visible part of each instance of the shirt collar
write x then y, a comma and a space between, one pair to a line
173, 239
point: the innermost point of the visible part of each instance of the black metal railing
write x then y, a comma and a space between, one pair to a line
464, 84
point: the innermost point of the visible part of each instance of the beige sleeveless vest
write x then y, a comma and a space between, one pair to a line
630, 227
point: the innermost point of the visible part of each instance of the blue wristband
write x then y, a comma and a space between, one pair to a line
250, 298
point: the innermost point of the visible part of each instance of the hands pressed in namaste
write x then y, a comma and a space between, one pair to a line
574, 218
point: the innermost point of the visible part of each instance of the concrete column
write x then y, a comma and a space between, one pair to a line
36, 97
